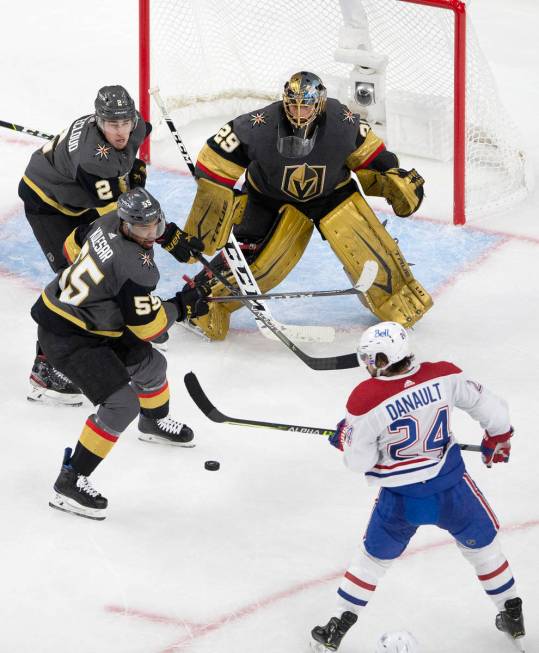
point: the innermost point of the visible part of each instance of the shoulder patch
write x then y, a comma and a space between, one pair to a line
348, 115
258, 118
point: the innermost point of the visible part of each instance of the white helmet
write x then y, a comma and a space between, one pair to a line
400, 641
388, 338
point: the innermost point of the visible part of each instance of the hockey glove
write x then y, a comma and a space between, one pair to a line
403, 189
191, 302
179, 243
496, 448
137, 176
337, 439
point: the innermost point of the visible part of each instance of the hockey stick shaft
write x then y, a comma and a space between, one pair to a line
26, 130
154, 92
288, 295
200, 398
331, 363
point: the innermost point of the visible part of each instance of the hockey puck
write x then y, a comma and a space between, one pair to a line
212, 465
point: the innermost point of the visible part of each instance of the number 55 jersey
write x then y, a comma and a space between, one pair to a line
107, 289
398, 430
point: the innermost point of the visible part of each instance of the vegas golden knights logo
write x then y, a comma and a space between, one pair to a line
303, 182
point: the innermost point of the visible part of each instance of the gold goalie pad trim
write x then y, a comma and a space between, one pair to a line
273, 264
215, 209
356, 235
403, 189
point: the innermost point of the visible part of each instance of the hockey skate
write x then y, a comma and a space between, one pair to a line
74, 493
329, 637
48, 385
511, 622
165, 431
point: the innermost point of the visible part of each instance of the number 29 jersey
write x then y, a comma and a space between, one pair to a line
397, 428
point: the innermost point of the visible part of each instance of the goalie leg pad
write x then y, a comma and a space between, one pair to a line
356, 235
215, 210
273, 263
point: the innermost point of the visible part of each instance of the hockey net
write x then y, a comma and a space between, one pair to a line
226, 57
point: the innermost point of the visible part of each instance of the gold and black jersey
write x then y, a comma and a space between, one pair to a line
79, 170
107, 289
343, 142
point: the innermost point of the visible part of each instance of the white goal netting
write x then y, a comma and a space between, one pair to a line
225, 57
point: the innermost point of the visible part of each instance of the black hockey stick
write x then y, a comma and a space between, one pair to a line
205, 405
201, 400
343, 362
25, 130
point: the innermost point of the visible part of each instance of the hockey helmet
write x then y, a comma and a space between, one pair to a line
139, 209
114, 103
388, 338
400, 641
304, 89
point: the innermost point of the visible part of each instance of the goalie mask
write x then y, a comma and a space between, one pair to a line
304, 100
387, 338
397, 642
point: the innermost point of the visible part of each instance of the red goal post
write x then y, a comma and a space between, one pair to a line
183, 38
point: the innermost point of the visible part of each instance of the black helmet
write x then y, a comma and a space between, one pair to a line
137, 207
114, 103
304, 89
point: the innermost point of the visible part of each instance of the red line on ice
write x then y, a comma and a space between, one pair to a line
196, 630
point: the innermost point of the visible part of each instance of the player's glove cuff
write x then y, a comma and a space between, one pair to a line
179, 243
337, 439
496, 448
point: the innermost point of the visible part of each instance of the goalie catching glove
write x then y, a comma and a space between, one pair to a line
403, 189
191, 302
179, 243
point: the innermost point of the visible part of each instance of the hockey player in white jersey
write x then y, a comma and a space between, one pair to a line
397, 432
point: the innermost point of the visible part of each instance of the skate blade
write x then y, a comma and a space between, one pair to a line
59, 502
517, 642
52, 398
317, 647
157, 439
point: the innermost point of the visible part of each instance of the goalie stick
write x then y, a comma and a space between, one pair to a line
330, 363
238, 265
365, 281
204, 404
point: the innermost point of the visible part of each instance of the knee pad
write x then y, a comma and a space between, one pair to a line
485, 558
119, 409
215, 209
273, 263
356, 235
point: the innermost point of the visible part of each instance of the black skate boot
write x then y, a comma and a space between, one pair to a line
165, 431
329, 637
48, 385
511, 620
74, 493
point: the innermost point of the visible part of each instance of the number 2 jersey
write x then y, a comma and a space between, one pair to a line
79, 170
398, 430
107, 289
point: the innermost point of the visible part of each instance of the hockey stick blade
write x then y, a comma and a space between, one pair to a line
200, 398
343, 362
367, 276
